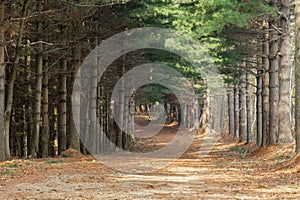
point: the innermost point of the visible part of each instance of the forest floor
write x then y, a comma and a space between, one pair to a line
230, 171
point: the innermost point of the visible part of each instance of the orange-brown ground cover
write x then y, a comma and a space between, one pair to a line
229, 171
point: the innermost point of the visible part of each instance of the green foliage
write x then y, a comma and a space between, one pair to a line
6, 172
174, 61
151, 93
214, 23
13, 165
199, 18
28, 163
54, 161
240, 149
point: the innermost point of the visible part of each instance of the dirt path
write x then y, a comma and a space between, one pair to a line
227, 172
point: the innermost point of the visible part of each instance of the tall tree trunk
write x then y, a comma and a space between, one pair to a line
2, 84
38, 91
45, 124
62, 109
265, 86
102, 117
242, 111
121, 112
236, 111
274, 78
284, 117
183, 110
73, 135
37, 107
248, 108
13, 74
110, 123
297, 74
28, 98
259, 112
92, 144
25, 130
231, 110
205, 112
131, 113
126, 116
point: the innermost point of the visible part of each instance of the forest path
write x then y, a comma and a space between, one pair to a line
227, 172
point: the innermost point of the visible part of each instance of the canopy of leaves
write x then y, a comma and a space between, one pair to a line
222, 26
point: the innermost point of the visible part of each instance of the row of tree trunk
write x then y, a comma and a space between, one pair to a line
271, 109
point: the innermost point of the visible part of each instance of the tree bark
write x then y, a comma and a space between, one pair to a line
13, 74
248, 108
62, 109
28, 98
92, 144
284, 117
121, 113
205, 112
236, 111
25, 136
73, 136
242, 111
259, 111
2, 83
37, 107
297, 75
45, 103
126, 115
265, 86
231, 111
274, 79
38, 92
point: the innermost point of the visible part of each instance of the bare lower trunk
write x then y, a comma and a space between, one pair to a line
248, 109
121, 113
2, 85
13, 74
274, 80
110, 123
25, 136
236, 111
259, 112
284, 117
231, 111
242, 111
126, 117
205, 112
62, 109
28, 121
37, 107
45, 127
34, 150
297, 75
73, 136
92, 144
265, 87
